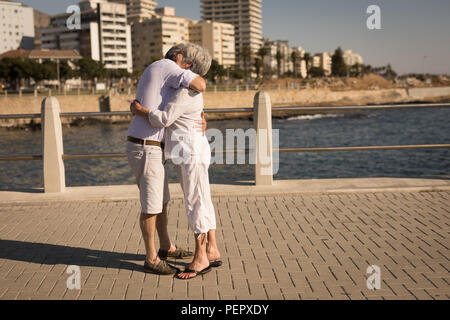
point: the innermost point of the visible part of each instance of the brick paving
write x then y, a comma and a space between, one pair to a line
273, 247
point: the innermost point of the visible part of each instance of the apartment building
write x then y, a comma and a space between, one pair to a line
244, 15
103, 35
16, 26
152, 38
41, 20
278, 56
218, 38
300, 64
138, 9
352, 58
322, 60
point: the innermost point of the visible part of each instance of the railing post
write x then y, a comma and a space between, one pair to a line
263, 124
52, 142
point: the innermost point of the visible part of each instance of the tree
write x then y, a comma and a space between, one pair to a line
16, 70
338, 66
237, 73
294, 58
307, 57
89, 69
216, 71
258, 64
367, 69
246, 56
263, 52
356, 70
389, 72
317, 72
280, 58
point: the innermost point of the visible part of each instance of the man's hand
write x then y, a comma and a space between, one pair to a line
201, 124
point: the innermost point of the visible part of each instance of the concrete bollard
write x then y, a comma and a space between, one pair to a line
52, 142
35, 92
264, 153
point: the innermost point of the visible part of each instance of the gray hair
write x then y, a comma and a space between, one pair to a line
194, 54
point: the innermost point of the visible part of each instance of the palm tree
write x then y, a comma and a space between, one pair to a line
307, 58
279, 57
246, 55
294, 58
263, 52
257, 64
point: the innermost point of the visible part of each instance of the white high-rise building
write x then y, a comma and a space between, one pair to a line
104, 34
322, 60
300, 64
281, 50
217, 38
152, 38
352, 58
244, 15
16, 26
138, 9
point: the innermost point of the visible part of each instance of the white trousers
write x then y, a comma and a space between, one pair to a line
197, 197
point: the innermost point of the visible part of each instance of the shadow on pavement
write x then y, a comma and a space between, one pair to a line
51, 254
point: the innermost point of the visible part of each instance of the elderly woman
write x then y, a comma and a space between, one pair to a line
188, 148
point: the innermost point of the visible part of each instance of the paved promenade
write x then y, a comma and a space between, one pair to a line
293, 241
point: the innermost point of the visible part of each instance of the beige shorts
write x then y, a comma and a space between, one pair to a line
147, 164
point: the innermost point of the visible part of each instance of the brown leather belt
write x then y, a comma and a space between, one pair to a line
146, 142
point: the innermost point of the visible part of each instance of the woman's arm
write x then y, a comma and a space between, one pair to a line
181, 103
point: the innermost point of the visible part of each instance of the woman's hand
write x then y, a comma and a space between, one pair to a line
135, 107
201, 124
138, 110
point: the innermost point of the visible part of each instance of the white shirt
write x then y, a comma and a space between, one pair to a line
184, 141
155, 87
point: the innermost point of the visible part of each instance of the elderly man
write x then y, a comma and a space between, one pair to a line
189, 149
145, 156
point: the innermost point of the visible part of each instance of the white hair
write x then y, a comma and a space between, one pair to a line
193, 54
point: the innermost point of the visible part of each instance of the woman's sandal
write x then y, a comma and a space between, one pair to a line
197, 273
215, 263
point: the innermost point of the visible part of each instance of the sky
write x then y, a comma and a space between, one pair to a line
414, 34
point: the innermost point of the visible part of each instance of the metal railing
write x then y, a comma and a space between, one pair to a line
297, 110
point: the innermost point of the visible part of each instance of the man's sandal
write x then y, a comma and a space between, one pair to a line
197, 273
179, 253
162, 268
